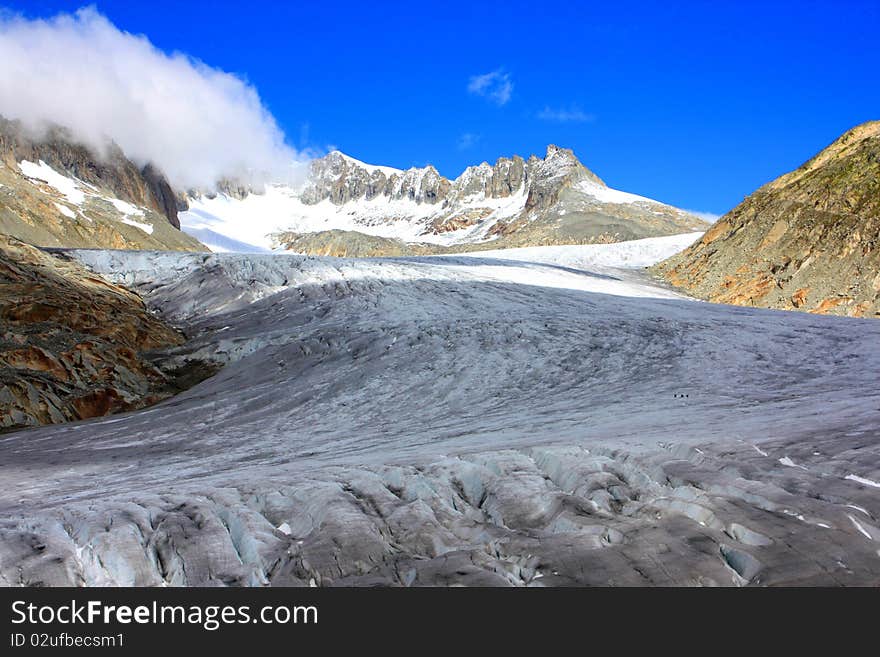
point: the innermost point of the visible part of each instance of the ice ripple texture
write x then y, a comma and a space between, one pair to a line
514, 418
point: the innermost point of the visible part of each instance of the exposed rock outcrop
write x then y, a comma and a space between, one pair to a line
352, 244
71, 343
161, 192
809, 240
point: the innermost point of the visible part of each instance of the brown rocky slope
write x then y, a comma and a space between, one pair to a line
71, 343
809, 240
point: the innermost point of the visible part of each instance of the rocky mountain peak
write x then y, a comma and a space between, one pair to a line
341, 179
563, 162
350, 207
555, 152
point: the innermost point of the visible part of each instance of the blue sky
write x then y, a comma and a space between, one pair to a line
695, 104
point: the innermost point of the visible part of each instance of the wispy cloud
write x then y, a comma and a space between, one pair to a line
571, 114
195, 122
709, 217
467, 140
495, 85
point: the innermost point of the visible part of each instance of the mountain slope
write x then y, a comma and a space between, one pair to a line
516, 202
809, 240
70, 342
56, 192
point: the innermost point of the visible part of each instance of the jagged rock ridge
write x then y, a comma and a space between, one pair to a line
515, 202
809, 240
544, 185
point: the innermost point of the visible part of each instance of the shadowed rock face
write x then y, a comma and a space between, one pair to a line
161, 194
808, 241
37, 213
70, 342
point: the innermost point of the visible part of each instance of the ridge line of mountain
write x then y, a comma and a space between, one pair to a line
515, 202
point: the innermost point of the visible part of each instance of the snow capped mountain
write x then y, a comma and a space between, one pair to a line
515, 202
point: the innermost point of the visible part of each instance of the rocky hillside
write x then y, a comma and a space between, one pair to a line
353, 244
351, 208
56, 192
71, 343
809, 240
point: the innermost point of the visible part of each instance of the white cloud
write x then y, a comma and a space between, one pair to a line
194, 122
571, 114
710, 217
495, 85
467, 140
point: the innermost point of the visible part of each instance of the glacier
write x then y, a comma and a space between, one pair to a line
532, 417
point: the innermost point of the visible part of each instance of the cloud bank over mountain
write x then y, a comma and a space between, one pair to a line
198, 124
